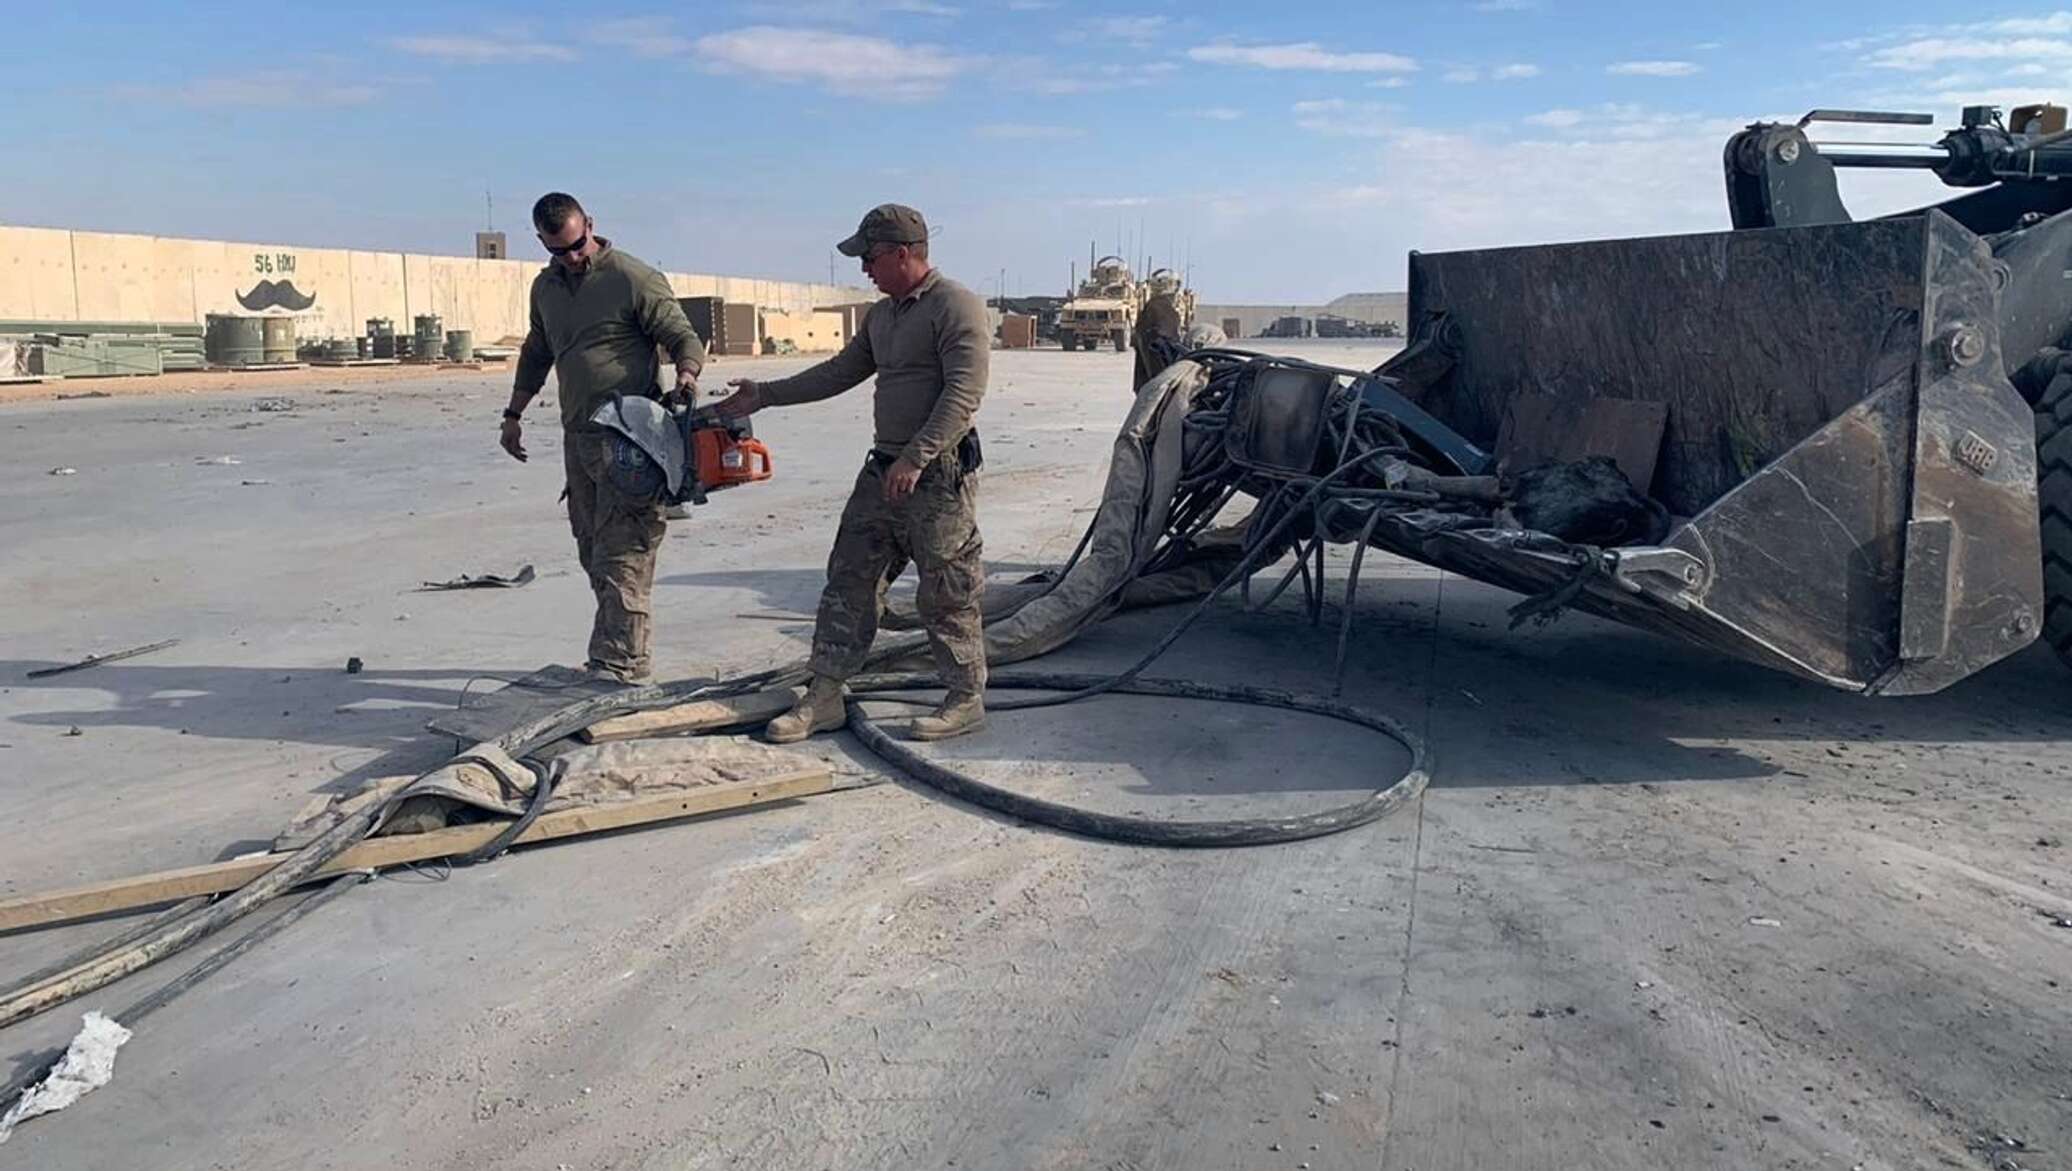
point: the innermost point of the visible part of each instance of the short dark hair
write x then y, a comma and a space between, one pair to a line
554, 210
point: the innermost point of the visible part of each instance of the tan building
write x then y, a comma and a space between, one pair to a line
58, 275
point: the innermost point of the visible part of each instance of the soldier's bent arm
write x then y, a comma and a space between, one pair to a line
965, 351
535, 359
828, 379
663, 320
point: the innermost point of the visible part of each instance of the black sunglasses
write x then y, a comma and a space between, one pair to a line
564, 249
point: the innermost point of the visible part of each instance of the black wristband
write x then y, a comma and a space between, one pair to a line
512, 415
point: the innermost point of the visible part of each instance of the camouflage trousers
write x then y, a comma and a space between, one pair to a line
616, 541
937, 529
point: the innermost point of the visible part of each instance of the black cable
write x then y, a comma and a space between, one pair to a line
543, 783
135, 1013
1148, 831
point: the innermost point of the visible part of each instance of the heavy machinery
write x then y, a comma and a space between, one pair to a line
1861, 431
1103, 309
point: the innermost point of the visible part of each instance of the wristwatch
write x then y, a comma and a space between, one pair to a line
512, 415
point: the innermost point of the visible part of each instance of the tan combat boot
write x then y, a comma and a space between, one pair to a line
820, 710
961, 712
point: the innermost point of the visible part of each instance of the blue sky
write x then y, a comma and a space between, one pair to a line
1292, 152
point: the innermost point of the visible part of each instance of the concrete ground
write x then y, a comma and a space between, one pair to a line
1656, 910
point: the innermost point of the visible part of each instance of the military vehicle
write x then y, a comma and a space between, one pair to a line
1103, 309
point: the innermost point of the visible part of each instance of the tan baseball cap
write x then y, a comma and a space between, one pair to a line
887, 223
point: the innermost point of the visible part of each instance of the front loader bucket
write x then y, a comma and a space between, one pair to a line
1858, 475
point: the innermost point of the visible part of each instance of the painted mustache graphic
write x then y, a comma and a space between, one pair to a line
276, 294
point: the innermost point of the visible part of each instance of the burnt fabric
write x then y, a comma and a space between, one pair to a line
936, 528
1588, 502
616, 542
1157, 342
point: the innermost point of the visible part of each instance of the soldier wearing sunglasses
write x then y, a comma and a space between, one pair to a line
597, 316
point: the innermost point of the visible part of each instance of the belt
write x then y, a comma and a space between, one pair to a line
969, 454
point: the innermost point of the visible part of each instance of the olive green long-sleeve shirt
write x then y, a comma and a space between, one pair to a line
930, 350
598, 329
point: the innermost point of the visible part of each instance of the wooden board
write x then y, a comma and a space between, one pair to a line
705, 715
335, 362
146, 890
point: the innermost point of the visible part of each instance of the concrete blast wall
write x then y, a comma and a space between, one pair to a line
51, 274
1373, 308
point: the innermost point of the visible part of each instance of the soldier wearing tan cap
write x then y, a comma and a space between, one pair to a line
917, 495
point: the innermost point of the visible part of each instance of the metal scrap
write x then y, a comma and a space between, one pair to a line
487, 581
97, 660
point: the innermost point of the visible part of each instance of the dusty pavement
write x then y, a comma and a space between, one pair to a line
1657, 909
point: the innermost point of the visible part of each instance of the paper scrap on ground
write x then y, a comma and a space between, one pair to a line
88, 1063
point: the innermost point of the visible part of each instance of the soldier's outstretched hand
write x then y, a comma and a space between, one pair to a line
746, 400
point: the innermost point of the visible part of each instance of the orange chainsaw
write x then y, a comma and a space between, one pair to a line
721, 453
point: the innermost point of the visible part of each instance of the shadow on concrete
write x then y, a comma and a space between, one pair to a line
374, 710
798, 590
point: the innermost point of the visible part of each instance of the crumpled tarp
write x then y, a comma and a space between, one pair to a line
484, 778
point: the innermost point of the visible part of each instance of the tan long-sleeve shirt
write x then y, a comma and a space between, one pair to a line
930, 350
598, 329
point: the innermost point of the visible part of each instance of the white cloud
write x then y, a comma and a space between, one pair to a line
643, 36
1339, 118
846, 63
1135, 31
1627, 122
844, 11
1389, 83
1305, 55
1654, 68
1219, 114
482, 50
1464, 74
1026, 131
1112, 201
263, 90
2056, 22
1039, 75
1930, 52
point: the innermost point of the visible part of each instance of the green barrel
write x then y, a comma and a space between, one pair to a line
342, 349
381, 337
428, 339
279, 334
460, 345
230, 340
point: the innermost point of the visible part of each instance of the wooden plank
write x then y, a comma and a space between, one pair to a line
704, 715
146, 890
